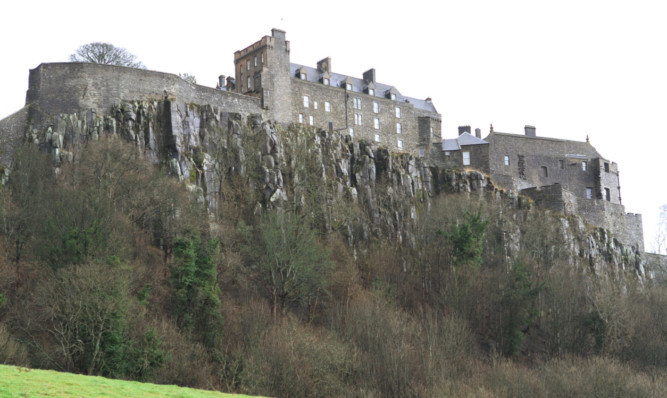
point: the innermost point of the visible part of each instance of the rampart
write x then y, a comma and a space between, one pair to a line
64, 87
626, 227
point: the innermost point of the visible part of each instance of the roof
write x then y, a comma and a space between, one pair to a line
570, 148
358, 85
464, 139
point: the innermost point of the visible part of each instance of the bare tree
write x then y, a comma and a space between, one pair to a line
105, 53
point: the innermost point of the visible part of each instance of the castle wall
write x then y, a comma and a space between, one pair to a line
67, 87
11, 132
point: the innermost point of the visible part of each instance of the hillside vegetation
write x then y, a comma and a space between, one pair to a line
111, 267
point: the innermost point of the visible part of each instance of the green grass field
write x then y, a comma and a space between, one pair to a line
22, 382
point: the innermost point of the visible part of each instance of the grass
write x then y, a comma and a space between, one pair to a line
22, 382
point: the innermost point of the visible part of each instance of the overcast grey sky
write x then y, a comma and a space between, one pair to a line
570, 68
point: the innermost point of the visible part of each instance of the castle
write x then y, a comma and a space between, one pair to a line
566, 176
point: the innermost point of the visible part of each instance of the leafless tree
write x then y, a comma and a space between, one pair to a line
105, 53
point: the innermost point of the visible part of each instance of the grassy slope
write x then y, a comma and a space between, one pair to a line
21, 382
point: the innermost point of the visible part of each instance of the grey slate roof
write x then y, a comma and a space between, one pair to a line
464, 139
358, 85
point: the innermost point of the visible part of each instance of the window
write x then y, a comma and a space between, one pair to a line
466, 158
392, 96
351, 132
583, 166
248, 65
399, 128
357, 102
606, 167
357, 119
376, 107
314, 104
306, 101
255, 60
561, 163
300, 117
311, 120
248, 85
431, 129
507, 160
421, 152
607, 195
589, 193
376, 123
399, 143
544, 171
325, 81
398, 112
377, 137
262, 57
371, 91
327, 106
348, 87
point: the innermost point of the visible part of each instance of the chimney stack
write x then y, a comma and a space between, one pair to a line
221, 82
530, 131
464, 129
324, 65
478, 133
369, 76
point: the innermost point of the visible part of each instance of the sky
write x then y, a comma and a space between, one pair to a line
571, 68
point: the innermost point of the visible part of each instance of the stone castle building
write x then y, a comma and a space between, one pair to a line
317, 96
566, 176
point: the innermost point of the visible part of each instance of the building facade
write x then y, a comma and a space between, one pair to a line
362, 108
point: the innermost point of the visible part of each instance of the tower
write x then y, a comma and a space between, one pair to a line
263, 70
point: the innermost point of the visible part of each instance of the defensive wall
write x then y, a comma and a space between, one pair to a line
56, 88
626, 227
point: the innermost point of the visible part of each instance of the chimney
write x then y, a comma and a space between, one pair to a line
221, 82
530, 131
369, 76
324, 65
464, 129
478, 133
278, 34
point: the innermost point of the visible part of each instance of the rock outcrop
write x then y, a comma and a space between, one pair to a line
300, 166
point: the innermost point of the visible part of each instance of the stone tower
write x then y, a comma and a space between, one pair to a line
263, 70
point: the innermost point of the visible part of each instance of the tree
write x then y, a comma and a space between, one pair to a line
193, 278
189, 78
105, 53
291, 265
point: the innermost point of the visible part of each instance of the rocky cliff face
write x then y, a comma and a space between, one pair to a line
349, 187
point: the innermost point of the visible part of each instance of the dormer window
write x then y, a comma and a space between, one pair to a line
325, 78
391, 94
371, 91
302, 73
347, 84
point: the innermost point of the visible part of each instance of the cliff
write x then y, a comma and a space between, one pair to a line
347, 187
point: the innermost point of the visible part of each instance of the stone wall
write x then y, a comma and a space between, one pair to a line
64, 87
11, 133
